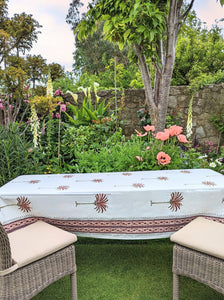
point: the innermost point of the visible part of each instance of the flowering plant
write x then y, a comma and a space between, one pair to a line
164, 149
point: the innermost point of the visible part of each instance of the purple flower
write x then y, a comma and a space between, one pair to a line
57, 115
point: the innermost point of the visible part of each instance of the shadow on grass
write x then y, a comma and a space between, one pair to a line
126, 270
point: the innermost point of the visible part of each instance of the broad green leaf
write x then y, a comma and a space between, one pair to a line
141, 28
126, 34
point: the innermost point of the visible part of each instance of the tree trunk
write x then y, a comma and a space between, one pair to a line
158, 99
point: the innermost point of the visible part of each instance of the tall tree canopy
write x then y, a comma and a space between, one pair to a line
150, 28
93, 54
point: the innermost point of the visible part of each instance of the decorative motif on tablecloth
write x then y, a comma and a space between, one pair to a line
138, 185
162, 178
34, 181
86, 180
100, 203
127, 174
68, 176
209, 183
62, 187
24, 204
97, 180
185, 171
175, 201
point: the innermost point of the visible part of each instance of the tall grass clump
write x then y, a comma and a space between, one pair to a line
14, 153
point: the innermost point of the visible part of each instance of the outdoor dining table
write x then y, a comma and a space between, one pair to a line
117, 205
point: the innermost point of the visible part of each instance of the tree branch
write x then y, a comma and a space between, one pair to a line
184, 15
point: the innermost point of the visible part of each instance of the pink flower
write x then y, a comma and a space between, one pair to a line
26, 87
58, 92
149, 128
63, 107
1, 106
27, 101
182, 138
163, 158
57, 115
139, 158
175, 130
147, 148
140, 134
163, 136
43, 130
10, 106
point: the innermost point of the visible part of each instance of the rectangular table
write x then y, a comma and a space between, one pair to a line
128, 205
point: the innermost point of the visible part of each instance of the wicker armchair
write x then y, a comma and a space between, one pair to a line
33, 257
198, 253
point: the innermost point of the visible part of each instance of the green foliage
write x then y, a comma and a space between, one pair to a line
66, 83
199, 55
14, 155
138, 153
134, 21
93, 54
203, 79
45, 105
36, 69
218, 121
88, 112
126, 77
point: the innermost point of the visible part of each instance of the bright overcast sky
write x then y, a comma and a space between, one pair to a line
56, 41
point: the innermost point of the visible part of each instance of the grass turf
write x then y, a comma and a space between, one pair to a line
126, 270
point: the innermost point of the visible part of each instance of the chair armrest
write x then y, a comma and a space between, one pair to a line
9, 270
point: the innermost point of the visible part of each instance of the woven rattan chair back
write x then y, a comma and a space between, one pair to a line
38, 274
5, 250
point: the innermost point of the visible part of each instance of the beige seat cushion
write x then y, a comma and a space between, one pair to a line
36, 241
202, 235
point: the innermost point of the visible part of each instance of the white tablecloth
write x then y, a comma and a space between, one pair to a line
129, 205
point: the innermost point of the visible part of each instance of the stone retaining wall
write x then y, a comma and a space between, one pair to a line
206, 102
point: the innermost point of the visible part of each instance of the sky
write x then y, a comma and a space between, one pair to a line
56, 41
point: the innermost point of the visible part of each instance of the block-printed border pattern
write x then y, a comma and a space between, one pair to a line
112, 226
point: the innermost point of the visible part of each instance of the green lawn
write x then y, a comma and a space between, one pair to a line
126, 270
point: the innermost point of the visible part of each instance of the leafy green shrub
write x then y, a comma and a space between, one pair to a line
14, 154
139, 153
88, 112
